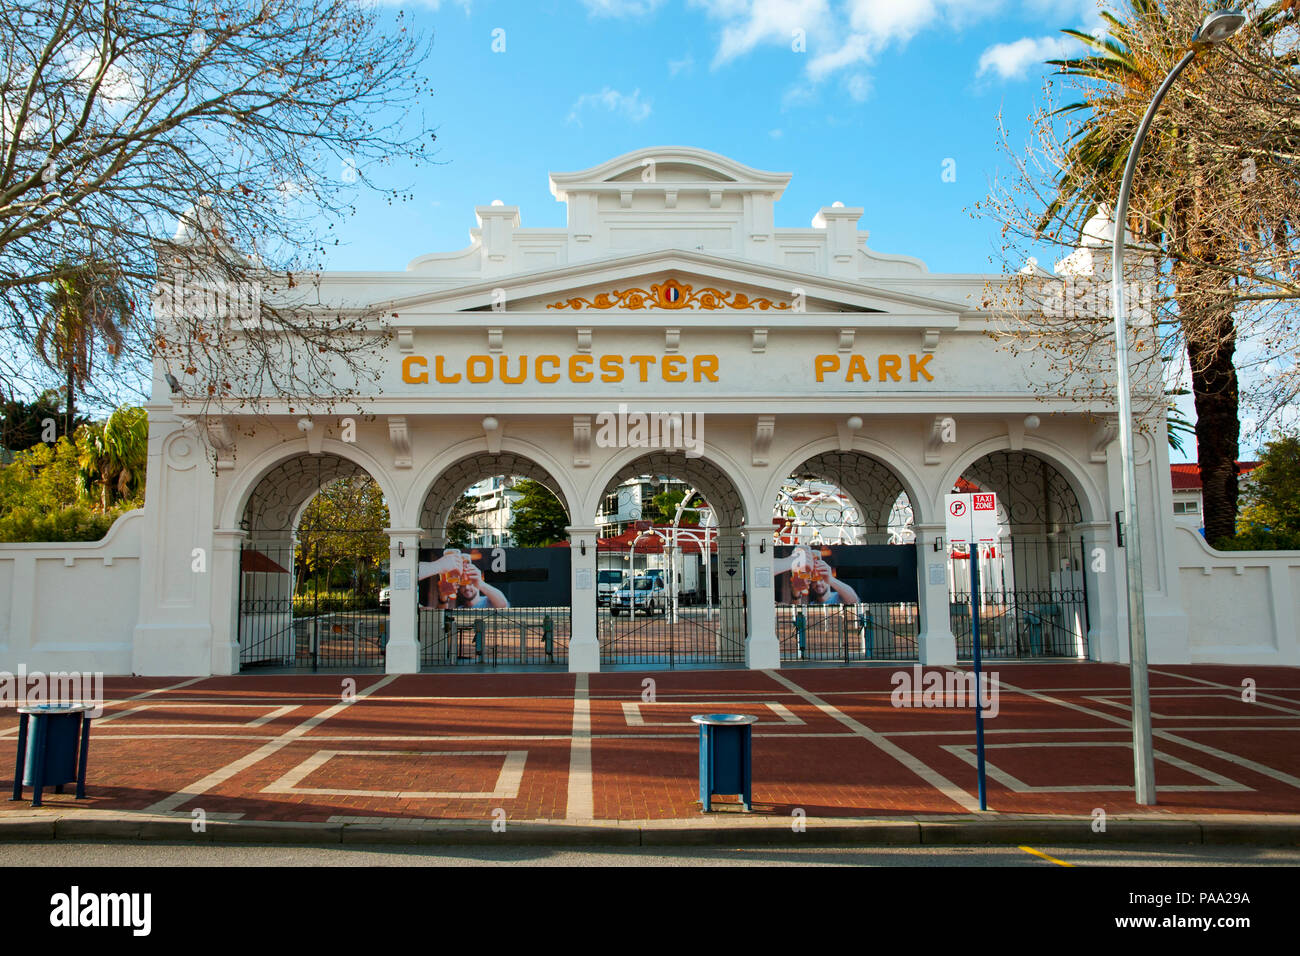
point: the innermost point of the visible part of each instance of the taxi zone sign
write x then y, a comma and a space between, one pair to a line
972, 517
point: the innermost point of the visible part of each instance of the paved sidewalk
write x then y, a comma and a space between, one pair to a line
442, 757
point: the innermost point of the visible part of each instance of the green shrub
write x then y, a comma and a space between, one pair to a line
1260, 539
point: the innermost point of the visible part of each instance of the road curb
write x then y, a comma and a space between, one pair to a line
814, 832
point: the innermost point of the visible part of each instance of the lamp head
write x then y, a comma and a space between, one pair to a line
1219, 26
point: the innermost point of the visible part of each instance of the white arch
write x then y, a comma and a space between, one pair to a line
428, 476
887, 456
712, 455
1076, 475
232, 512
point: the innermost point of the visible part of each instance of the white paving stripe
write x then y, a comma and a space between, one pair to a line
510, 776
218, 777
126, 700
1235, 690
1223, 755
581, 804
931, 776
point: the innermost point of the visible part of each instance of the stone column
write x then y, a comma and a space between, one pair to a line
403, 652
584, 644
1103, 570
762, 648
936, 643
226, 550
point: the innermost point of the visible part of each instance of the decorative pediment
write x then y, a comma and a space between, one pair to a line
670, 294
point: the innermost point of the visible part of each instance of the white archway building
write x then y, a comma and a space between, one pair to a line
669, 290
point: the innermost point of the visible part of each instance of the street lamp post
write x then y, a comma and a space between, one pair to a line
1218, 26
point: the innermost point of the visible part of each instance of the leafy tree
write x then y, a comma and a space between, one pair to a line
22, 424
250, 125
112, 455
341, 539
47, 493
664, 507
538, 517
1214, 204
460, 524
89, 310
1271, 516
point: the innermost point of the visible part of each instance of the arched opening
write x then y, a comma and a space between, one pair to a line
494, 565
312, 582
1033, 580
670, 572
845, 561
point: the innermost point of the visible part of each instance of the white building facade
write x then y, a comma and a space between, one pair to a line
798, 353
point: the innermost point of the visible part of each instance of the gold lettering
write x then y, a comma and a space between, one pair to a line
576, 374
611, 368
546, 377
408, 364
670, 367
916, 368
641, 362
889, 367
825, 363
858, 367
705, 367
520, 377
479, 377
438, 374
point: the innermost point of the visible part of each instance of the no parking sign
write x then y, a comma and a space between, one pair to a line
971, 517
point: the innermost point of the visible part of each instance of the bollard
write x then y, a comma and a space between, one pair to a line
801, 631
480, 630
868, 625
548, 636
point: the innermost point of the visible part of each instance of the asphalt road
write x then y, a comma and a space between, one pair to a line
76, 854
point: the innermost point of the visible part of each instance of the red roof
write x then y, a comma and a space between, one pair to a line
257, 562
1187, 476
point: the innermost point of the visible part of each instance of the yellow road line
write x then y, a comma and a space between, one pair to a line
1049, 859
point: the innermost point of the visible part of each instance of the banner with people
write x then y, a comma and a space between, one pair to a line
490, 577
845, 574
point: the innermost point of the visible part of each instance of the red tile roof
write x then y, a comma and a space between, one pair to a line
1187, 477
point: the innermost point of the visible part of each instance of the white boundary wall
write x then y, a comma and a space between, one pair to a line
72, 606
1243, 607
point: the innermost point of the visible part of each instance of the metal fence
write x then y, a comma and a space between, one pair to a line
1033, 601
493, 636
700, 634
287, 622
848, 632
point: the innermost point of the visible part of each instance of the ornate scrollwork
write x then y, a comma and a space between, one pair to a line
673, 295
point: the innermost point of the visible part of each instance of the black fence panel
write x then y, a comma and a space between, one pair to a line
848, 632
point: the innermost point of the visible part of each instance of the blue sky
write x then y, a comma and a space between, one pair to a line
883, 92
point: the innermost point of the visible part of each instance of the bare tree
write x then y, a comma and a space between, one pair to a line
204, 148
1213, 218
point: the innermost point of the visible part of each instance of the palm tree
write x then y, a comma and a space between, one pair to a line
112, 455
89, 308
1122, 70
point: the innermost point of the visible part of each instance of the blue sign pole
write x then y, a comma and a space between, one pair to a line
979, 700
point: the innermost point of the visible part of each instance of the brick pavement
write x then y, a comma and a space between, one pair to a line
829, 741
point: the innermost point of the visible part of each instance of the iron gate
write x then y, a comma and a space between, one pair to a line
1033, 599
640, 622
492, 636
310, 606
848, 632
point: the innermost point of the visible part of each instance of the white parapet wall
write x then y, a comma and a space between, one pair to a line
1243, 607
71, 606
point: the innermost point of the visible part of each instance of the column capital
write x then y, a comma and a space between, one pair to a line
575, 530
404, 532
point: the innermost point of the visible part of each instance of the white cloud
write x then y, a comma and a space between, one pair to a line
629, 105
1012, 61
621, 8
685, 64
859, 87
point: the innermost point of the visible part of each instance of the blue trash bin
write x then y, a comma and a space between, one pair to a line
725, 746
53, 742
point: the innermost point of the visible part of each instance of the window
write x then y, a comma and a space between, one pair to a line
1187, 507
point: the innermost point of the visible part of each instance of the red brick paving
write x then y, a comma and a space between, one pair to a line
402, 725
